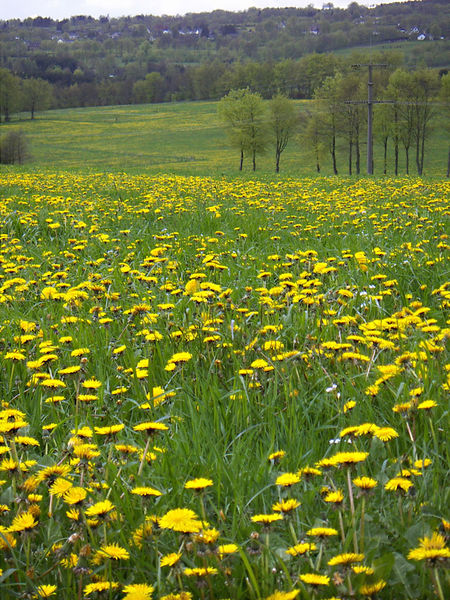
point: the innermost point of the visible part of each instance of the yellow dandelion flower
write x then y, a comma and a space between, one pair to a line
100, 586
52, 383
207, 536
322, 532
300, 549
276, 456
74, 495
169, 560
336, 497
200, 572
45, 591
365, 483
385, 434
286, 506
198, 484
109, 429
398, 484
59, 487
426, 405
138, 591
226, 549
370, 589
91, 384
112, 551
348, 458
287, 479
146, 491
283, 595
267, 519
345, 559
23, 522
70, 370
314, 579
100, 509
7, 540
150, 427
183, 520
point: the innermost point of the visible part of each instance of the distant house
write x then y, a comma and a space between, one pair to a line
421, 37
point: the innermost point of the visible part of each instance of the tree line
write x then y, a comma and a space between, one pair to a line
296, 79
208, 81
335, 124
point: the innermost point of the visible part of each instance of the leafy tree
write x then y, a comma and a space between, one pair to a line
9, 94
230, 111
313, 69
426, 87
243, 113
444, 99
401, 90
329, 106
283, 120
384, 127
204, 79
149, 89
314, 135
349, 89
37, 95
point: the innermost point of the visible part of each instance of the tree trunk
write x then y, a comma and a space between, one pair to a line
358, 153
333, 154
277, 161
448, 163
385, 155
419, 170
254, 160
396, 157
318, 162
422, 151
407, 159
241, 164
6, 112
350, 156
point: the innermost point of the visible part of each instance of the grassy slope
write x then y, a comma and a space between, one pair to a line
414, 52
185, 138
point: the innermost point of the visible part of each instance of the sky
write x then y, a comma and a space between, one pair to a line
60, 9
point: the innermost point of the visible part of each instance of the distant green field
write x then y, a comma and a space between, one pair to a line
183, 137
432, 52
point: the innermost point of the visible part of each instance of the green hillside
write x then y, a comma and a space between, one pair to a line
183, 137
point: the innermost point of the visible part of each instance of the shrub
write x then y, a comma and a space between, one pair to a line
13, 148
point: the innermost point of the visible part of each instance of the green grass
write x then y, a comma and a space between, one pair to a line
185, 138
414, 52
293, 272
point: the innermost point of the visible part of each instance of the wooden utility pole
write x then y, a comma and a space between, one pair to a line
370, 102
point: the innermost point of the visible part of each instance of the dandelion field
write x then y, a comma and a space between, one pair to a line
186, 138
217, 388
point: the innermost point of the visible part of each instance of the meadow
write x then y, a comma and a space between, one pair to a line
223, 388
186, 138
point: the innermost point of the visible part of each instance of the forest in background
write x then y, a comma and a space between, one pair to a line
82, 61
